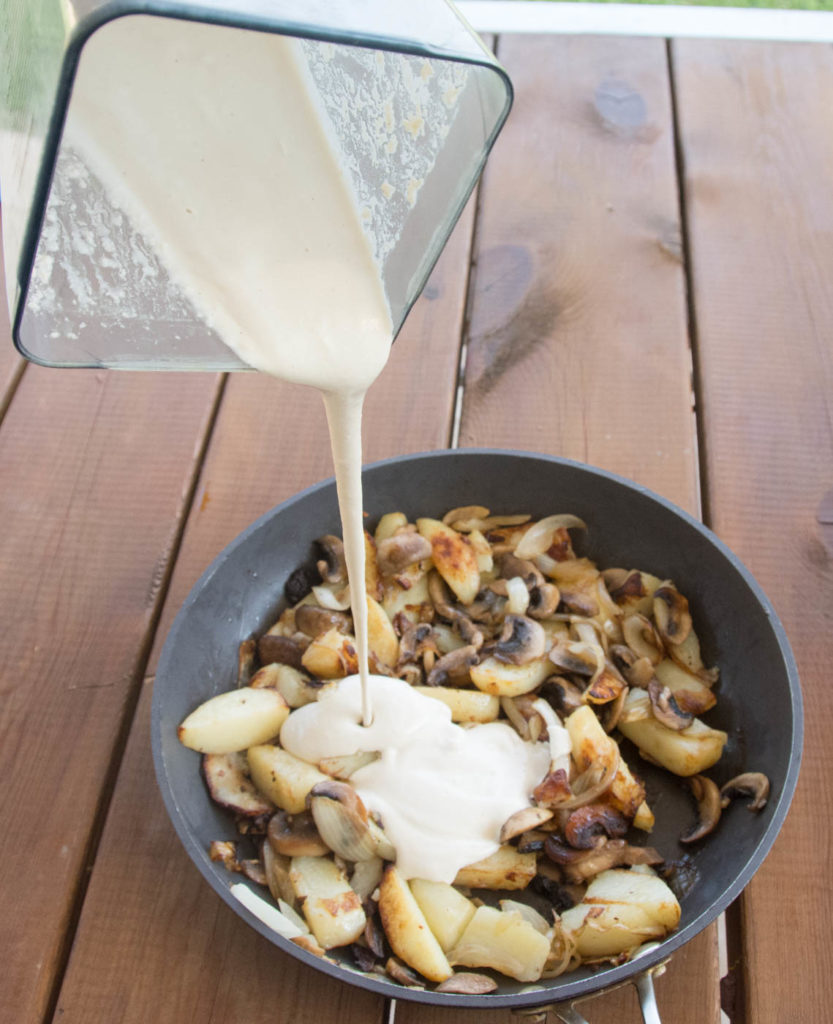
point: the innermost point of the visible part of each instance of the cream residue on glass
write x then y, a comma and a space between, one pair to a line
253, 218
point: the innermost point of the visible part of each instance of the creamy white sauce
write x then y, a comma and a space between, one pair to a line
442, 792
236, 184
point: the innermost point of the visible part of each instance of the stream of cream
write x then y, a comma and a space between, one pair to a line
253, 218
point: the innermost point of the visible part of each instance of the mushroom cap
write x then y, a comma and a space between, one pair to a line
522, 640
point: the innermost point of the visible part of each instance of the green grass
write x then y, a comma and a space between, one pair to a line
792, 5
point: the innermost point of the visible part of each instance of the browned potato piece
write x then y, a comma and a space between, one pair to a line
407, 930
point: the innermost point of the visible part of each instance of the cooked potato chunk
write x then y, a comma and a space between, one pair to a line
331, 908
466, 705
589, 741
331, 656
507, 868
234, 720
621, 910
504, 941
686, 752
446, 910
381, 636
285, 779
454, 558
406, 929
506, 680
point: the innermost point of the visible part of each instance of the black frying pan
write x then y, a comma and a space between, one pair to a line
759, 702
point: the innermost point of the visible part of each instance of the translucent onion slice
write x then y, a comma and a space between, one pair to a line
539, 537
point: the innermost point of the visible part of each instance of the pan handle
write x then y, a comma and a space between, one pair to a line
568, 1014
644, 984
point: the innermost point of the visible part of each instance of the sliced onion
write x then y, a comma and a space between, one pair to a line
334, 600
539, 537
518, 596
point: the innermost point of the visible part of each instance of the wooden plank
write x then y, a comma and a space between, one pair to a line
578, 341
578, 301
95, 470
758, 157
270, 441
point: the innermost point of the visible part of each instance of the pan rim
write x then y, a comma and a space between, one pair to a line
536, 994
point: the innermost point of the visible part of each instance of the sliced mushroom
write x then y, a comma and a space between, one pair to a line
671, 614
543, 601
577, 658
284, 650
521, 641
467, 983
332, 565
416, 639
665, 707
523, 821
295, 835
401, 550
227, 778
314, 621
638, 671
453, 667
509, 565
707, 795
611, 712
754, 784
404, 975
587, 823
579, 865
563, 694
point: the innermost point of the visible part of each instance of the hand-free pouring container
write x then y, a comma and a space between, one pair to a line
409, 96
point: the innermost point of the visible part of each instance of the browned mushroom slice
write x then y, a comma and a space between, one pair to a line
295, 835
580, 865
509, 566
707, 795
227, 778
754, 784
563, 694
611, 712
254, 871
665, 707
543, 601
637, 671
281, 649
522, 640
671, 614
332, 565
523, 821
404, 975
586, 824
577, 658
314, 621
401, 550
467, 983
453, 667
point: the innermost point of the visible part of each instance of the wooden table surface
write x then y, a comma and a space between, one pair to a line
644, 283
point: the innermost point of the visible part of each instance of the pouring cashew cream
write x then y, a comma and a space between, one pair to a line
253, 218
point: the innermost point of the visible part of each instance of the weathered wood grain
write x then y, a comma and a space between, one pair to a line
94, 468
758, 153
578, 342
269, 442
